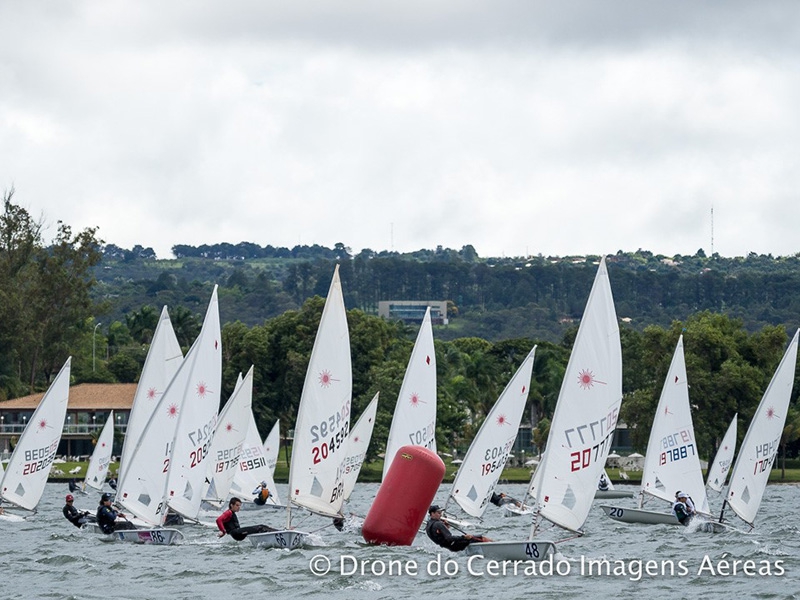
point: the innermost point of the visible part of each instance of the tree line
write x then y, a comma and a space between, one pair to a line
50, 307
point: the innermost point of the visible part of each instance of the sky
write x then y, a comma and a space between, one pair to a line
520, 127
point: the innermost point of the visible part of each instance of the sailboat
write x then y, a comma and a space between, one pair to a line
22, 483
721, 466
101, 457
581, 431
163, 359
759, 448
672, 461
357, 445
194, 393
414, 420
226, 448
316, 471
487, 455
254, 467
272, 444
610, 493
158, 477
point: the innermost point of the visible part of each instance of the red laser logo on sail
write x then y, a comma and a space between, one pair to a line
586, 379
325, 379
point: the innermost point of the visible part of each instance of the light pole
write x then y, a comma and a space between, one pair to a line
94, 336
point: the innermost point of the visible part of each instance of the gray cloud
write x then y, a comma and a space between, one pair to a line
515, 126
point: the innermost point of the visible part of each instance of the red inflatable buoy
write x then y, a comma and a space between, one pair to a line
404, 497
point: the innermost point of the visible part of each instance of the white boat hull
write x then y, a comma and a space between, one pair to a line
248, 506
156, 537
637, 515
535, 550
512, 510
612, 494
286, 538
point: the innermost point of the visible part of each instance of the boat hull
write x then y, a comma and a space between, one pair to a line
534, 550
287, 538
156, 537
637, 515
512, 510
612, 494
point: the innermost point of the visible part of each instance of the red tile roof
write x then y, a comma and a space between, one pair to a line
86, 396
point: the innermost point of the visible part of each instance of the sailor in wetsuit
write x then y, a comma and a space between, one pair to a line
107, 516
439, 532
72, 514
228, 523
682, 510
501, 499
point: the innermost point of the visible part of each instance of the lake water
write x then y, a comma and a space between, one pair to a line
46, 557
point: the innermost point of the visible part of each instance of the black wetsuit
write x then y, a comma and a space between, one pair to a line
500, 500
230, 523
682, 513
441, 536
107, 520
74, 516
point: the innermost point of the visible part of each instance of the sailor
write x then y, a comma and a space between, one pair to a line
72, 514
262, 494
603, 484
73, 485
681, 510
439, 531
107, 516
501, 499
228, 523
687, 501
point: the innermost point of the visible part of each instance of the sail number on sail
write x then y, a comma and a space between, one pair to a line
672, 450
602, 431
227, 458
206, 434
765, 455
252, 458
423, 437
337, 426
496, 458
39, 458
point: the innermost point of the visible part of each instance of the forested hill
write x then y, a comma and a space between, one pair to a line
493, 298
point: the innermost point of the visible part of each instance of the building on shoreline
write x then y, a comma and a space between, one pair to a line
87, 411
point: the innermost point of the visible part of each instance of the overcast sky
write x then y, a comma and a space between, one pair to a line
520, 127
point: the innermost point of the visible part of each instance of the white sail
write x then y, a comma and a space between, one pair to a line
487, 455
672, 461
226, 449
586, 413
719, 469
27, 470
272, 446
162, 361
414, 420
253, 467
357, 445
196, 390
101, 457
323, 417
760, 445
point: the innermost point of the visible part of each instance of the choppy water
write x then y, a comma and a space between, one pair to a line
46, 557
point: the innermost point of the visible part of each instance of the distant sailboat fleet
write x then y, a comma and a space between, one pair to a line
181, 457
